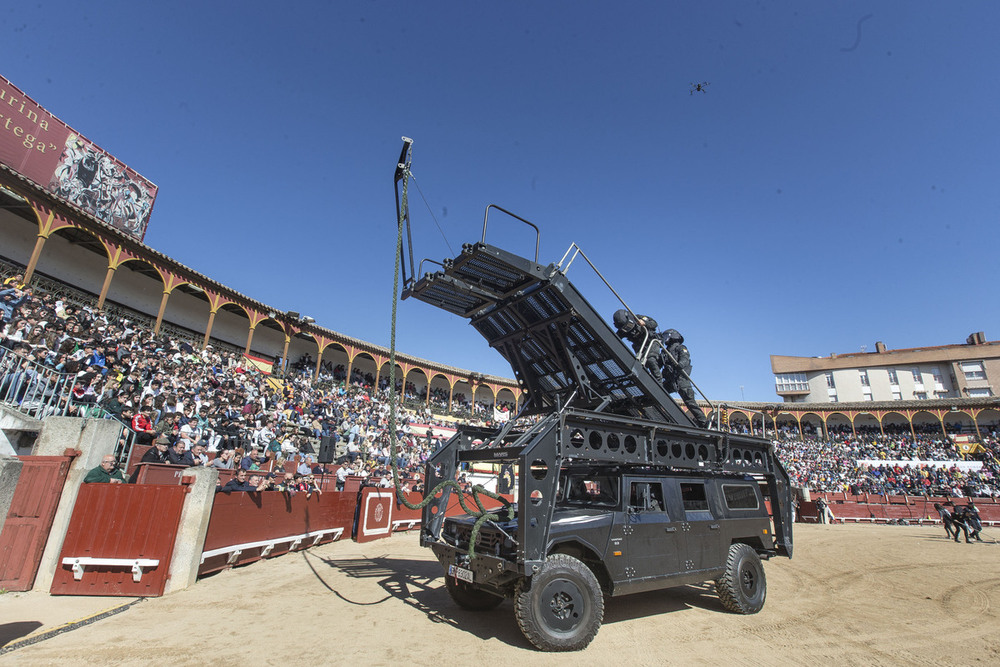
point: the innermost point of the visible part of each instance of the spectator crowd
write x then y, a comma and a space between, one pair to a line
193, 403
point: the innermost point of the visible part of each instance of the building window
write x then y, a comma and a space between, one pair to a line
829, 381
918, 380
863, 373
791, 382
893, 378
980, 393
920, 395
896, 394
938, 380
973, 370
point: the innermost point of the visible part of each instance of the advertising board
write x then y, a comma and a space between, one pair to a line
54, 156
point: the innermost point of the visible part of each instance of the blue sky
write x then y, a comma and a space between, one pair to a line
835, 184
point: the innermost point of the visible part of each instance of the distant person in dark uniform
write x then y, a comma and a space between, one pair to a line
973, 521
960, 518
946, 519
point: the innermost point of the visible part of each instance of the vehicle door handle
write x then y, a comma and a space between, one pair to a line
671, 529
714, 526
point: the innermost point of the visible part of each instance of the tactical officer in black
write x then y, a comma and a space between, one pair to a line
677, 373
668, 359
641, 333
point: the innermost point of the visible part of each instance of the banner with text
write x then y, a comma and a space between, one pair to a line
45, 150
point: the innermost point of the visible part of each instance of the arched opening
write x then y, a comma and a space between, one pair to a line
507, 401
187, 310
268, 340
333, 368
383, 377
232, 325
461, 403
838, 426
415, 389
866, 425
812, 426
927, 424
136, 285
896, 424
440, 391
739, 422
989, 422
363, 371
302, 351
73, 256
787, 425
18, 229
959, 422
484, 402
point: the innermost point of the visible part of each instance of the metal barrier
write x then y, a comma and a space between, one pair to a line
29, 387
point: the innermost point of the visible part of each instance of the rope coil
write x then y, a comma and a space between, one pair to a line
481, 513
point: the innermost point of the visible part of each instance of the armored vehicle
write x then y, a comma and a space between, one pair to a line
617, 492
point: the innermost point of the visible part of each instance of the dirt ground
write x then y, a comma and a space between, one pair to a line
853, 595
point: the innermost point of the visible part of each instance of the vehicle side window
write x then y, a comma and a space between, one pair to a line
646, 497
695, 501
740, 496
592, 490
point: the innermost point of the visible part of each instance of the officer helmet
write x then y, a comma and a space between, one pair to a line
624, 322
672, 335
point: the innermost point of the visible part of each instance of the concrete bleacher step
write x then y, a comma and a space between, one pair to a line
18, 432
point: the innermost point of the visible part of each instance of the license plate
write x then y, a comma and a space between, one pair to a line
460, 573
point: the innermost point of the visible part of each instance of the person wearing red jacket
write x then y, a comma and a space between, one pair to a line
143, 427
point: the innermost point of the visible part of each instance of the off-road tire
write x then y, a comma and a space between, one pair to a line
469, 597
743, 587
563, 609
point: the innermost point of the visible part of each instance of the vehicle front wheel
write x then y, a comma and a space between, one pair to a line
469, 597
742, 588
563, 609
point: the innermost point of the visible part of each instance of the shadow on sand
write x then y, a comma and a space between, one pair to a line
419, 583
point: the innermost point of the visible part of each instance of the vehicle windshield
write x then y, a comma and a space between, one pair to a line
601, 490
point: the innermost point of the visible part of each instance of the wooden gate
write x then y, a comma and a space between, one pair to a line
120, 540
29, 521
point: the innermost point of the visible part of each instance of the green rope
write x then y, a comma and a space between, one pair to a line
481, 514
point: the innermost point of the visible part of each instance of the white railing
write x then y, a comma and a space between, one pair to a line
35, 390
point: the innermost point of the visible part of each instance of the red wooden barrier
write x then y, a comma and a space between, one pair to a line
245, 527
158, 473
880, 508
120, 540
27, 525
403, 518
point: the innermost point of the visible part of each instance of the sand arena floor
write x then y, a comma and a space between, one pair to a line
853, 595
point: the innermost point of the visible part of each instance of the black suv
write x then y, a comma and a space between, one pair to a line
614, 531
618, 489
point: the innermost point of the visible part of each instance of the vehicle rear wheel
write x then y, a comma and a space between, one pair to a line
563, 609
742, 588
469, 597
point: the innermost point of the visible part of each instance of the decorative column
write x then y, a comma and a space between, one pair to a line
48, 222
159, 315
117, 256
35, 254
106, 286
284, 353
208, 329
170, 283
